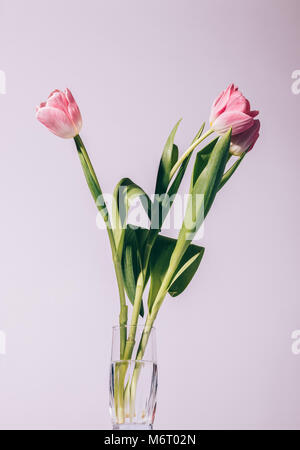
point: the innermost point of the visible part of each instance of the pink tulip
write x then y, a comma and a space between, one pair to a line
244, 142
60, 114
231, 110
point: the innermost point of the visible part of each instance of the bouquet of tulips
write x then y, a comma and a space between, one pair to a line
143, 256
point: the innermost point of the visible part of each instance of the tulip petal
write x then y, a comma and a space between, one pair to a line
237, 102
58, 100
53, 92
56, 121
237, 121
220, 103
245, 141
41, 105
73, 110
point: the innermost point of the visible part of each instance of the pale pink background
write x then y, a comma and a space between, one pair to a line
135, 67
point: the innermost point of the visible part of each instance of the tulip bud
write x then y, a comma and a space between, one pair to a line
60, 114
231, 110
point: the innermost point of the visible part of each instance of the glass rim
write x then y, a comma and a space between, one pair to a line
127, 361
118, 327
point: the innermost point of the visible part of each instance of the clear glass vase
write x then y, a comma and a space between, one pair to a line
133, 383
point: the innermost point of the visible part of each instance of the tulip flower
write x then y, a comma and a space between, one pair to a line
60, 114
244, 142
231, 110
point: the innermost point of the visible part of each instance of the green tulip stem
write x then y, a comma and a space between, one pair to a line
179, 251
138, 298
181, 246
96, 192
188, 152
135, 317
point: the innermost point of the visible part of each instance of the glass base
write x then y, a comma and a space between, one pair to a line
132, 426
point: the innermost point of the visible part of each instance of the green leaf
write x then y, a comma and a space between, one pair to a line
159, 263
130, 265
132, 260
125, 192
214, 171
202, 159
168, 200
199, 133
187, 269
227, 175
180, 174
168, 160
205, 188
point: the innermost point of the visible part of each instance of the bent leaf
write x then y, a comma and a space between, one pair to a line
132, 261
159, 263
181, 171
168, 160
125, 192
165, 202
202, 159
204, 188
227, 175
187, 269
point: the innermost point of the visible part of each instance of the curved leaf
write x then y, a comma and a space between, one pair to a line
168, 160
214, 171
202, 159
187, 269
227, 175
165, 202
132, 260
159, 263
125, 192
205, 187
